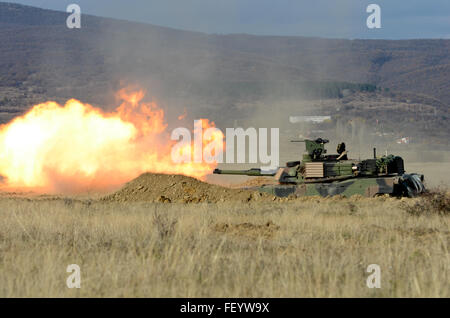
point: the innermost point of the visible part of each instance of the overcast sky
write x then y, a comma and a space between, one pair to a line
400, 19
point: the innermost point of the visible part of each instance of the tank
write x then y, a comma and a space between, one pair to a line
318, 173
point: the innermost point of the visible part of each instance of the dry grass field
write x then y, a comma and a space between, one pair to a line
309, 247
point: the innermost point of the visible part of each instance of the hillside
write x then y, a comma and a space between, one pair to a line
41, 59
420, 66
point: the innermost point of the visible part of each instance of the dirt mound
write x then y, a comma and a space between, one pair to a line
177, 188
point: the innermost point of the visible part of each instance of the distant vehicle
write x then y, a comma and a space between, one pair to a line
403, 140
328, 175
309, 119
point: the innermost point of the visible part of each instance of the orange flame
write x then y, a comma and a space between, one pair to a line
77, 147
183, 116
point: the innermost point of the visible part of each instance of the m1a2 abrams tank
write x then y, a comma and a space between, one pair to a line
328, 175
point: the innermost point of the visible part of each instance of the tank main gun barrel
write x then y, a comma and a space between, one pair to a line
254, 172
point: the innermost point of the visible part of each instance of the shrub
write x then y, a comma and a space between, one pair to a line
432, 202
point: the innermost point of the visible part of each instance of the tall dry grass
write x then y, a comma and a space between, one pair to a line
305, 248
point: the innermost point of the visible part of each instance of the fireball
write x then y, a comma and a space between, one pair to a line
78, 147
